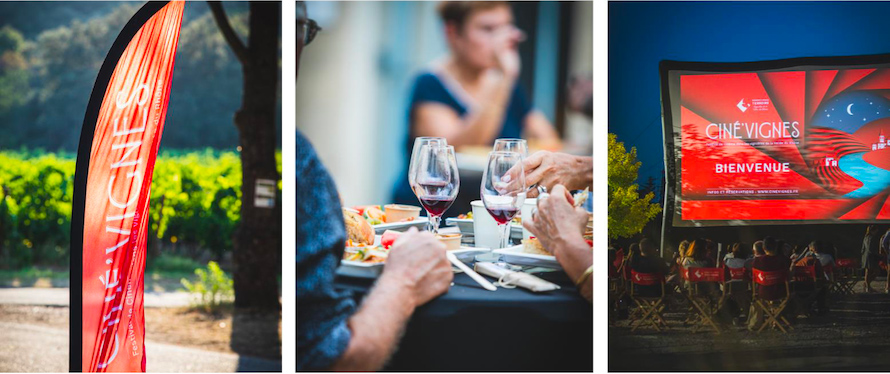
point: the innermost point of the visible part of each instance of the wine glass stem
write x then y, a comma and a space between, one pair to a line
505, 235
434, 224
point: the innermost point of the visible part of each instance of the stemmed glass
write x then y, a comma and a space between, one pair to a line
502, 191
512, 145
412, 171
436, 180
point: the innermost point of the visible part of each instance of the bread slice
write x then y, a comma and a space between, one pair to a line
358, 230
533, 246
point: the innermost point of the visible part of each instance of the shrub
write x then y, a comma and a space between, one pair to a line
195, 203
211, 289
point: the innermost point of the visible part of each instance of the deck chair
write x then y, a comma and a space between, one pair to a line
771, 309
738, 288
806, 285
846, 274
649, 308
704, 305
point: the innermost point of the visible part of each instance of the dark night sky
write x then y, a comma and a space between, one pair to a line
641, 34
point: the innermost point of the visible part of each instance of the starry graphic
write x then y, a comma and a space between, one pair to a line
849, 111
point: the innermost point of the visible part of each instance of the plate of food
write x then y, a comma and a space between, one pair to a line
532, 253
464, 222
390, 217
366, 253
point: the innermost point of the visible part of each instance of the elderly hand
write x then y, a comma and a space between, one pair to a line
557, 223
417, 260
550, 168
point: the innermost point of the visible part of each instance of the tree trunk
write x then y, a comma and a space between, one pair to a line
257, 242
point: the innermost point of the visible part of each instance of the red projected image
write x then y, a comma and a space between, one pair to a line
793, 145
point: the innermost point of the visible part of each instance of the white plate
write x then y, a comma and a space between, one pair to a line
466, 227
515, 255
358, 269
468, 254
420, 223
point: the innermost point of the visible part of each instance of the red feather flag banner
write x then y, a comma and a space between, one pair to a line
118, 145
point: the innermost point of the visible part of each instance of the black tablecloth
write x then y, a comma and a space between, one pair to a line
470, 328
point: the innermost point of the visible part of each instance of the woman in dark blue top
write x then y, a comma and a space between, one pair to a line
472, 96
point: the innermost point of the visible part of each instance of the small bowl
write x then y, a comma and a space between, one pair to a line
399, 213
451, 241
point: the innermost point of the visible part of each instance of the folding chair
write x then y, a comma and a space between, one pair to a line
771, 309
845, 276
649, 307
805, 282
738, 288
738, 274
703, 303
615, 290
622, 286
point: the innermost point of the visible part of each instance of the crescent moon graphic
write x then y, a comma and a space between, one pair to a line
850, 109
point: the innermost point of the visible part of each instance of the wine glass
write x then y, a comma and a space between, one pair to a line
503, 193
512, 145
437, 180
415, 154
418, 142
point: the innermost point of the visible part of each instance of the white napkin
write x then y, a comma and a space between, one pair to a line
510, 279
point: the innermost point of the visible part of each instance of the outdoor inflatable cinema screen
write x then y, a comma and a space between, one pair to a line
795, 141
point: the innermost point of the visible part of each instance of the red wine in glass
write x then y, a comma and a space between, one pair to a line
436, 205
502, 213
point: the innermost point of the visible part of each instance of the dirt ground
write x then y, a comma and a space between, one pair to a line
249, 333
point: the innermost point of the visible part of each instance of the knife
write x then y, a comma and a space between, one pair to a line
476, 277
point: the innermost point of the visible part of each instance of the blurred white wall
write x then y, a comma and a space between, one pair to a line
353, 87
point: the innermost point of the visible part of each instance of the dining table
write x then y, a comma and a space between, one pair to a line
470, 328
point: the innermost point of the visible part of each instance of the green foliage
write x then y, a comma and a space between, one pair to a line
211, 288
195, 201
47, 73
13, 71
35, 209
167, 264
628, 211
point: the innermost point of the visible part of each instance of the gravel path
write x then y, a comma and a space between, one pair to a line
33, 348
59, 297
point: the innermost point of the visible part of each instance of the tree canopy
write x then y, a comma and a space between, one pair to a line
47, 74
628, 211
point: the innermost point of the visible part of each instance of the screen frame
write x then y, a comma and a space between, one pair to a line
670, 72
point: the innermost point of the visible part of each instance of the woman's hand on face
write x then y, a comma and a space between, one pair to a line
557, 221
506, 50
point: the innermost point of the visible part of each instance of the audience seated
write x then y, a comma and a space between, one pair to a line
648, 261
772, 260
811, 258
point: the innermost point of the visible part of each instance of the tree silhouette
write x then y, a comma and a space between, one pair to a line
257, 242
